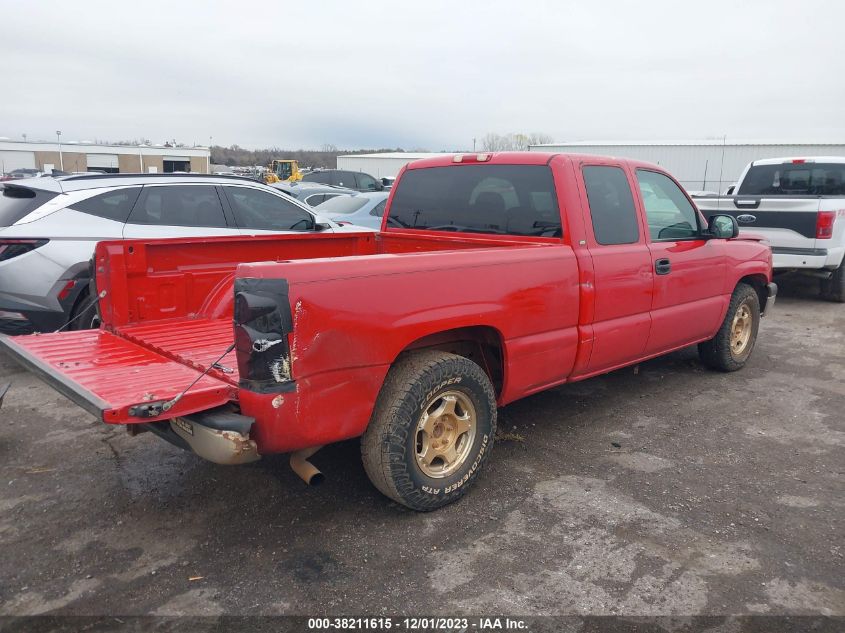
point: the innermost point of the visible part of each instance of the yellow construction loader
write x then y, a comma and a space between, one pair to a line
282, 170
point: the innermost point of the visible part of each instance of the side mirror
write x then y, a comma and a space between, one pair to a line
379, 186
723, 226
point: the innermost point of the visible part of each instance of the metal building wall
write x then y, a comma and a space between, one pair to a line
700, 167
379, 166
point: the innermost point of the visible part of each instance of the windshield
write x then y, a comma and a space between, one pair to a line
502, 199
795, 179
342, 204
16, 202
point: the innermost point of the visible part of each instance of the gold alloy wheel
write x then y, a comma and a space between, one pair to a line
741, 329
445, 434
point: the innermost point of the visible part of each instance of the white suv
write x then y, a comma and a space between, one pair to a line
50, 225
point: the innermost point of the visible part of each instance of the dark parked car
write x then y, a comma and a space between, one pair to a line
359, 181
312, 193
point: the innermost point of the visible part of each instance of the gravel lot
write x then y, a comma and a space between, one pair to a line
671, 490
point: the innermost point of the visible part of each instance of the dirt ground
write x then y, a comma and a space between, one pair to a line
671, 490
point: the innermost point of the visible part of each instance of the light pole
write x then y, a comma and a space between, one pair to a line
208, 158
61, 159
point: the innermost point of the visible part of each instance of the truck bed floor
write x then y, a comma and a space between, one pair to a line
193, 342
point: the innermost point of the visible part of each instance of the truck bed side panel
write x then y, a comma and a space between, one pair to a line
352, 320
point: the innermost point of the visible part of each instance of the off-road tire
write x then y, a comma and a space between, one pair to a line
833, 289
389, 446
718, 352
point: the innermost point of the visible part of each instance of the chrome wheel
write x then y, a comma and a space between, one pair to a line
445, 434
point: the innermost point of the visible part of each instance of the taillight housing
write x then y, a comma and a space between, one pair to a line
10, 248
824, 225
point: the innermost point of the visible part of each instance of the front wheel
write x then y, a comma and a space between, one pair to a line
730, 348
431, 431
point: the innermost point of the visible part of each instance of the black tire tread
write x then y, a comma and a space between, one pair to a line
383, 445
716, 353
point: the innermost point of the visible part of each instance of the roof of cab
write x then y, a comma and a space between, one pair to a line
800, 159
522, 158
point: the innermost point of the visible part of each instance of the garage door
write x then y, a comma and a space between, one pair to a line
16, 160
102, 161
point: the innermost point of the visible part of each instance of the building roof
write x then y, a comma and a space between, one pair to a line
101, 148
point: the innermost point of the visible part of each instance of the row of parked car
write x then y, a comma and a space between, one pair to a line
50, 225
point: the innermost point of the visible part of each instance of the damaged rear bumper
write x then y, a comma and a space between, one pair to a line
219, 436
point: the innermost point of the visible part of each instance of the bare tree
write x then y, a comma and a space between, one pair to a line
513, 141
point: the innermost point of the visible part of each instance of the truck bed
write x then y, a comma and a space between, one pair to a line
168, 316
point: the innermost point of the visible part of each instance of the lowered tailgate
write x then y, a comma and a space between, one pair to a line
108, 375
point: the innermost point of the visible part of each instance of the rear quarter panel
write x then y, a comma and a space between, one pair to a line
352, 319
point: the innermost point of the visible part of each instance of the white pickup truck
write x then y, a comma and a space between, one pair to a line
798, 205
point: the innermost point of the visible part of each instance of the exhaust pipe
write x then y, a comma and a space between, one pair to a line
299, 463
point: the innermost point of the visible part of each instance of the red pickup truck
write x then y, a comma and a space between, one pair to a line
495, 276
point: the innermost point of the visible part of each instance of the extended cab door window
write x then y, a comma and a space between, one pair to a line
622, 269
612, 207
670, 214
263, 211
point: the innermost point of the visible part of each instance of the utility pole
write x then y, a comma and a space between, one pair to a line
61, 159
473, 143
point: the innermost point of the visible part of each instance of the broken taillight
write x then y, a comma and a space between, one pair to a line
824, 224
10, 248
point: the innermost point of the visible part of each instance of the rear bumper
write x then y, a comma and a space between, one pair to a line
30, 321
771, 296
219, 436
27, 320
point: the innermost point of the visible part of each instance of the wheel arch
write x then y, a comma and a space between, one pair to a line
757, 281
482, 344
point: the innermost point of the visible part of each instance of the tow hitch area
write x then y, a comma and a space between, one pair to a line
220, 436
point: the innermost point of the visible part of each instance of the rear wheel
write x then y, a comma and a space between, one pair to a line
730, 348
833, 288
431, 431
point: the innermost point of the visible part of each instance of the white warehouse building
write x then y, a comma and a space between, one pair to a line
712, 165
381, 165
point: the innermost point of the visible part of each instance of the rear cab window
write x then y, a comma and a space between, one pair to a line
18, 202
794, 179
497, 199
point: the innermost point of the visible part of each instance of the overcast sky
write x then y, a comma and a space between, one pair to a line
421, 74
